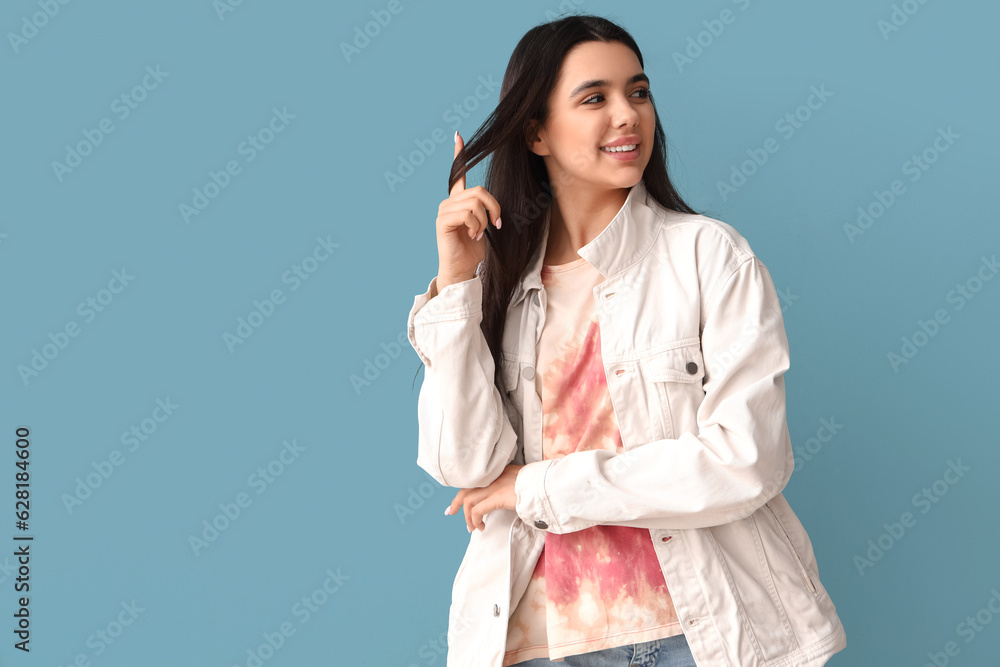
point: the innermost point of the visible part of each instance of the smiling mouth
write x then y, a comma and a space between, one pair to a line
620, 149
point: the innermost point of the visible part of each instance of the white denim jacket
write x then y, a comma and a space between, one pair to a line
694, 350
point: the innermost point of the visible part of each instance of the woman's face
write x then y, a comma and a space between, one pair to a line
601, 96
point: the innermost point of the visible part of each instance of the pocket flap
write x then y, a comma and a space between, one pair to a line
682, 362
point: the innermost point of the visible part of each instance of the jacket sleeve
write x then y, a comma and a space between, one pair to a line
465, 438
740, 457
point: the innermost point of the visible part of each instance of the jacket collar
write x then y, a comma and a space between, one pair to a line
626, 238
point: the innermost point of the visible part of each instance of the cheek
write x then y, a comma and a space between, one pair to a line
578, 155
579, 141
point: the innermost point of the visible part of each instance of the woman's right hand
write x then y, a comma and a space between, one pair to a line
461, 223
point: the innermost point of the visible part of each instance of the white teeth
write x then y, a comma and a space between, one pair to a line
619, 149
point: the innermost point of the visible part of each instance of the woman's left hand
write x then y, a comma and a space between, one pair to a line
479, 501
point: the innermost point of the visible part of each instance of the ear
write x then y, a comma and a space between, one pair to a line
533, 138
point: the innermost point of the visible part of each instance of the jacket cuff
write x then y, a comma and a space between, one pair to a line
532, 503
456, 301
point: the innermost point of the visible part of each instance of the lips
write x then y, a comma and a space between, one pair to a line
627, 148
627, 140
623, 149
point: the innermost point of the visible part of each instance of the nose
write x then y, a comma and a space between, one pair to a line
623, 113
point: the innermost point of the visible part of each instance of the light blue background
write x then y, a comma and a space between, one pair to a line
335, 506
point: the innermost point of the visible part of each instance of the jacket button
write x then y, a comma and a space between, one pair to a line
541, 524
496, 610
528, 372
692, 367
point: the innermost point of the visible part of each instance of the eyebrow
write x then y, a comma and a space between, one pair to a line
601, 83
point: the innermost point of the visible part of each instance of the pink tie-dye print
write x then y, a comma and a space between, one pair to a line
599, 587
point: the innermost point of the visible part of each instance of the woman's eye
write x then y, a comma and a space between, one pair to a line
599, 97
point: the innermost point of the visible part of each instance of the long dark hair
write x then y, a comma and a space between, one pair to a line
518, 178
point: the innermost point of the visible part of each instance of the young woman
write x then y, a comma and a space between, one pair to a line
604, 383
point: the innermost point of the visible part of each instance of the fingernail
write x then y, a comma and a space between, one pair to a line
498, 223
447, 510
480, 235
456, 136
470, 529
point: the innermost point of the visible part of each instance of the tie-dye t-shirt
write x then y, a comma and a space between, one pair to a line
600, 587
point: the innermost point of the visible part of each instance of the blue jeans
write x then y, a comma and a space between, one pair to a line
669, 652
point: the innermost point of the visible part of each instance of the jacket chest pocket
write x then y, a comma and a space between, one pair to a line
674, 379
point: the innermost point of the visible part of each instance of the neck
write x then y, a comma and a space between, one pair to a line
577, 217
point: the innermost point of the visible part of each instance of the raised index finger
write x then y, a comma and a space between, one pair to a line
460, 183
